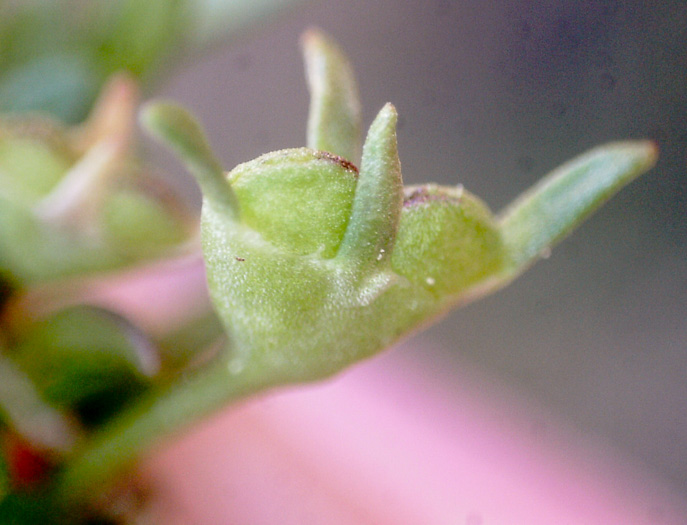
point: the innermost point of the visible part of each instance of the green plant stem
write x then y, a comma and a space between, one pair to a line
191, 341
160, 414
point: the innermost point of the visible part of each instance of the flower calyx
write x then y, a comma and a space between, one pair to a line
313, 264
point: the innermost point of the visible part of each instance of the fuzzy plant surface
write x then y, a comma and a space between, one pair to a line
319, 257
316, 257
314, 263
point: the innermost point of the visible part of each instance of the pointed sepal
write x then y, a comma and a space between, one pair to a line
175, 127
551, 209
371, 230
334, 123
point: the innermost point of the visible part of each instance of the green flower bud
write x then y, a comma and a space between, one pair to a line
33, 157
311, 269
86, 359
76, 200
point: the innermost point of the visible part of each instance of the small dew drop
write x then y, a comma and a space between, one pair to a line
430, 281
380, 254
545, 253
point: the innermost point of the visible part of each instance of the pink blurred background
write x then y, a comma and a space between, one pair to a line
401, 441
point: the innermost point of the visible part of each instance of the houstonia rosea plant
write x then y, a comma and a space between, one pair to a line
314, 263
319, 257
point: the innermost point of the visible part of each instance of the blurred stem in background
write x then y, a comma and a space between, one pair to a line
55, 56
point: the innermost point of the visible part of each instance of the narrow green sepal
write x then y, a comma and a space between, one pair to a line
371, 231
175, 127
551, 209
334, 123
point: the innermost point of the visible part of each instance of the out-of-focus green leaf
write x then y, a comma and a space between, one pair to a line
192, 340
218, 19
87, 359
30, 251
46, 63
139, 34
140, 226
25, 410
29, 169
55, 56
34, 509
